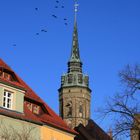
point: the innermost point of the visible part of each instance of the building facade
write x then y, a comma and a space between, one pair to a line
24, 115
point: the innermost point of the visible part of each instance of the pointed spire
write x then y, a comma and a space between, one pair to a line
74, 75
75, 55
75, 64
75, 11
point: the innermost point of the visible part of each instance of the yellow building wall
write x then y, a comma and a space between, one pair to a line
49, 133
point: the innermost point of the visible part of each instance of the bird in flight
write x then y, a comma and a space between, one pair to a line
57, 1
43, 30
62, 6
56, 6
14, 45
65, 19
54, 16
36, 9
37, 33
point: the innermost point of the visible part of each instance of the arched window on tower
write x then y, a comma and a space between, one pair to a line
69, 109
80, 109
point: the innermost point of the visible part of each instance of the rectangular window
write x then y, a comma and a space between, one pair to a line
36, 109
6, 76
7, 100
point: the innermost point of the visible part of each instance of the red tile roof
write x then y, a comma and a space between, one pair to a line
91, 131
4, 65
12, 83
50, 119
27, 115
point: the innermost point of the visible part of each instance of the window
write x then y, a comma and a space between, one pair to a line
36, 109
29, 105
7, 100
69, 109
6, 75
81, 110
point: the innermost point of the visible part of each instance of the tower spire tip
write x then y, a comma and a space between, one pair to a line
76, 8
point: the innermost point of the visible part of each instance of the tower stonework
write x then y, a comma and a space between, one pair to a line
74, 93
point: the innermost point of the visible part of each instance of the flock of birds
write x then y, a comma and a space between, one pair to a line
65, 19
53, 15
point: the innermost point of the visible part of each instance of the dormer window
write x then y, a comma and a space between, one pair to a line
36, 109
7, 100
8, 75
29, 105
33, 108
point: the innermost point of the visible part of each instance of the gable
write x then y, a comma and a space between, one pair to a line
8, 75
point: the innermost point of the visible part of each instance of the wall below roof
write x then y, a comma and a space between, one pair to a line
13, 126
17, 100
10, 125
50, 133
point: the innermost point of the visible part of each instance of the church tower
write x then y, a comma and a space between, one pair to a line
74, 93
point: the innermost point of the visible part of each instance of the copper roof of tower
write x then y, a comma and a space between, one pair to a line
75, 55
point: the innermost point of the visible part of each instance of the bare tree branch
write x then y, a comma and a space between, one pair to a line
124, 107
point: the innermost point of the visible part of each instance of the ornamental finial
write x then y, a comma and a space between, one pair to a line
76, 8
